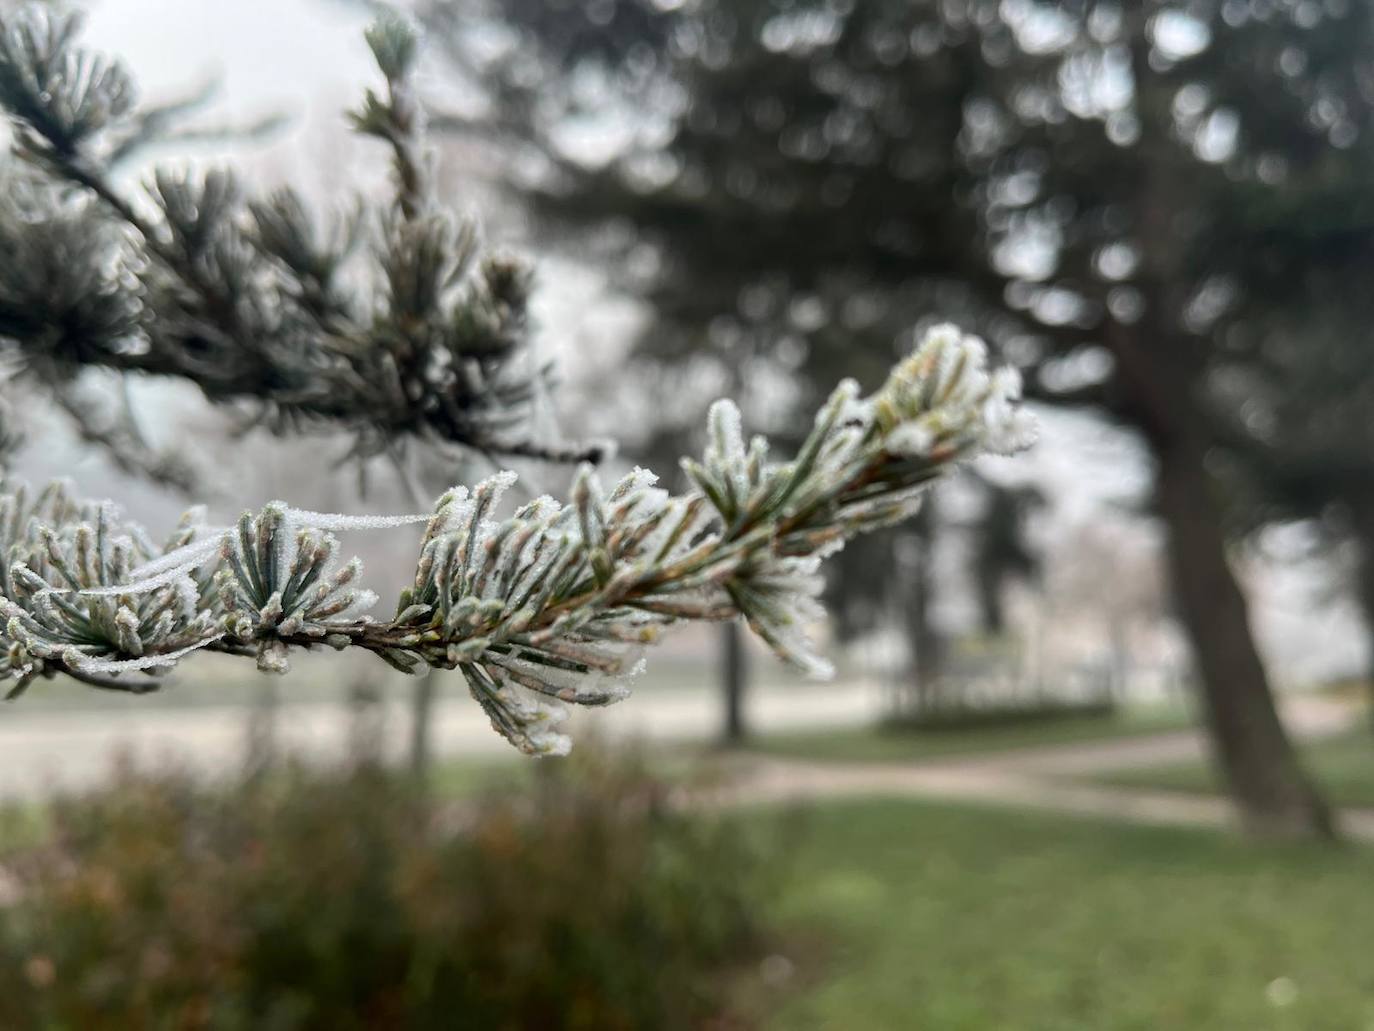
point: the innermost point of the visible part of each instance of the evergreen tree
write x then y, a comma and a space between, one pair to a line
1301, 447
1085, 175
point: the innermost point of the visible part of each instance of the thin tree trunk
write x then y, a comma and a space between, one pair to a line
425, 688
734, 680
1267, 783
1362, 507
1120, 671
927, 649
366, 724
261, 729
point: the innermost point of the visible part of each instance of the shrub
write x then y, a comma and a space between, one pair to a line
347, 900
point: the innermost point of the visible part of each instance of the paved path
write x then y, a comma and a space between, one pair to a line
41, 749
1039, 778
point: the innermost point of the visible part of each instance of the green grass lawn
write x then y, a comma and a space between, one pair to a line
909, 915
1342, 765
883, 744
681, 761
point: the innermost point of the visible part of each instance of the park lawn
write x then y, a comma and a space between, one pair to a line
910, 914
694, 762
1343, 765
887, 744
22, 825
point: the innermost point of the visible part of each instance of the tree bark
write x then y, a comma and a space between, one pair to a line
734, 681
1273, 794
1362, 509
1163, 371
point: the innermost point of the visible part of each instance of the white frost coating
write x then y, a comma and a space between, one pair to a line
364, 600
498, 483
855, 409
727, 452
727, 432
188, 595
1008, 428
178, 563
299, 518
148, 584
911, 438
945, 335
637, 481
185, 557
83, 664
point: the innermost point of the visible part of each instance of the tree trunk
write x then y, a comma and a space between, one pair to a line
1362, 508
260, 752
734, 680
923, 639
990, 601
1267, 783
366, 724
422, 723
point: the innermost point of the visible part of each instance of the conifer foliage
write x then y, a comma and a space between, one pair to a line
389, 323
550, 605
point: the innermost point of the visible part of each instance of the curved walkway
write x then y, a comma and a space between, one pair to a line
1039, 778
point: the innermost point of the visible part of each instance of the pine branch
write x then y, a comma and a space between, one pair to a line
390, 324
551, 605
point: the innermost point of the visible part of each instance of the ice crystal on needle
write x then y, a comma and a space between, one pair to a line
550, 606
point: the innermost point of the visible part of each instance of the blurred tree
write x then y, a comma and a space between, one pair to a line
1002, 552
916, 594
748, 247
115, 428
1303, 446
1122, 619
1084, 176
251, 300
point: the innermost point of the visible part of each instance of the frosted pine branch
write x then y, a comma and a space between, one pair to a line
388, 323
553, 604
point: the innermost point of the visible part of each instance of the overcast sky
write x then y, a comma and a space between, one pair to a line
271, 54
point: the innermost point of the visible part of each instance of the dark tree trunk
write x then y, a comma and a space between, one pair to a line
1161, 372
422, 723
990, 601
1273, 794
734, 680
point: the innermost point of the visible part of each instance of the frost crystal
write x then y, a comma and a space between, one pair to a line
549, 606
